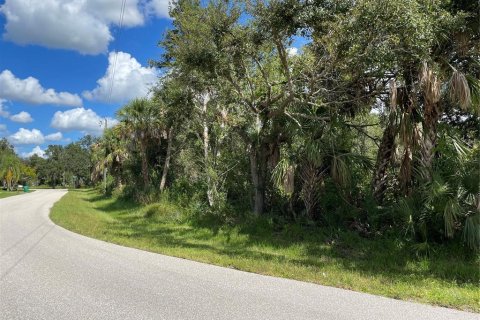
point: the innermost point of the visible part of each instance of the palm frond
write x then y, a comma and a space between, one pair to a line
459, 90
451, 212
340, 171
430, 84
471, 232
474, 85
283, 177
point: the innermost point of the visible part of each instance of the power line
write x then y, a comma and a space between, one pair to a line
120, 24
112, 80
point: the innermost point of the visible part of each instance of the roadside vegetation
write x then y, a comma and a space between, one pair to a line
5, 193
387, 266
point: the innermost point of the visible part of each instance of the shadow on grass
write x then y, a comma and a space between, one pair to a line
384, 257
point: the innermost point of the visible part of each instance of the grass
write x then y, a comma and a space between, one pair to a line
43, 186
5, 194
387, 267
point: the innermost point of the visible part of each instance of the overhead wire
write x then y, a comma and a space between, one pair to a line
112, 79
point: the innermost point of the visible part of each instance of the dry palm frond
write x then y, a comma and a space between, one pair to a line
288, 180
340, 171
283, 177
406, 131
471, 232
311, 183
430, 84
460, 90
274, 155
462, 43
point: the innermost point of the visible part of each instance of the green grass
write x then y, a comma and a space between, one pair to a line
385, 267
43, 186
5, 194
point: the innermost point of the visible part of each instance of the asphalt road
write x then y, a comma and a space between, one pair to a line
47, 272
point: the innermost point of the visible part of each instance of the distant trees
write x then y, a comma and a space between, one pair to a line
10, 165
69, 165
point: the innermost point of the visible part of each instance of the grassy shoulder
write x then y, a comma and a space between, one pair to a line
381, 266
5, 194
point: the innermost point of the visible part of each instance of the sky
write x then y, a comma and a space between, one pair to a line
57, 58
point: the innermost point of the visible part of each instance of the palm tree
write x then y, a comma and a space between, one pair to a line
141, 119
110, 152
10, 169
459, 94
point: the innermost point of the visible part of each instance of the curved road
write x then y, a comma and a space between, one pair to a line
47, 272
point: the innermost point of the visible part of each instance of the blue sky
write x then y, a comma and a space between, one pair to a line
56, 62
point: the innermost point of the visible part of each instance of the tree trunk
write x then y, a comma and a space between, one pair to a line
258, 166
406, 170
146, 180
166, 165
431, 116
384, 156
206, 148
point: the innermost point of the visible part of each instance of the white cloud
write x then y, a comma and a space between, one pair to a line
3, 127
131, 80
55, 24
57, 136
25, 136
34, 136
37, 150
159, 8
22, 117
85, 120
30, 90
108, 11
292, 51
3, 111
80, 25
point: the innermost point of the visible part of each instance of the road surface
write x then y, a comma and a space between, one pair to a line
47, 272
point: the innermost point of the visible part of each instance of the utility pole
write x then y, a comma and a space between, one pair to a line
105, 167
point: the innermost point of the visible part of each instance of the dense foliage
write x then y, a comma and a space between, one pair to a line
371, 125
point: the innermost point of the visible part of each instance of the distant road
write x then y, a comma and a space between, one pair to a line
47, 272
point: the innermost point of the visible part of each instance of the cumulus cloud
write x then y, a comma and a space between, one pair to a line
131, 80
80, 119
25, 136
22, 117
57, 136
37, 150
30, 90
3, 110
80, 25
108, 11
3, 128
292, 51
34, 136
159, 8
